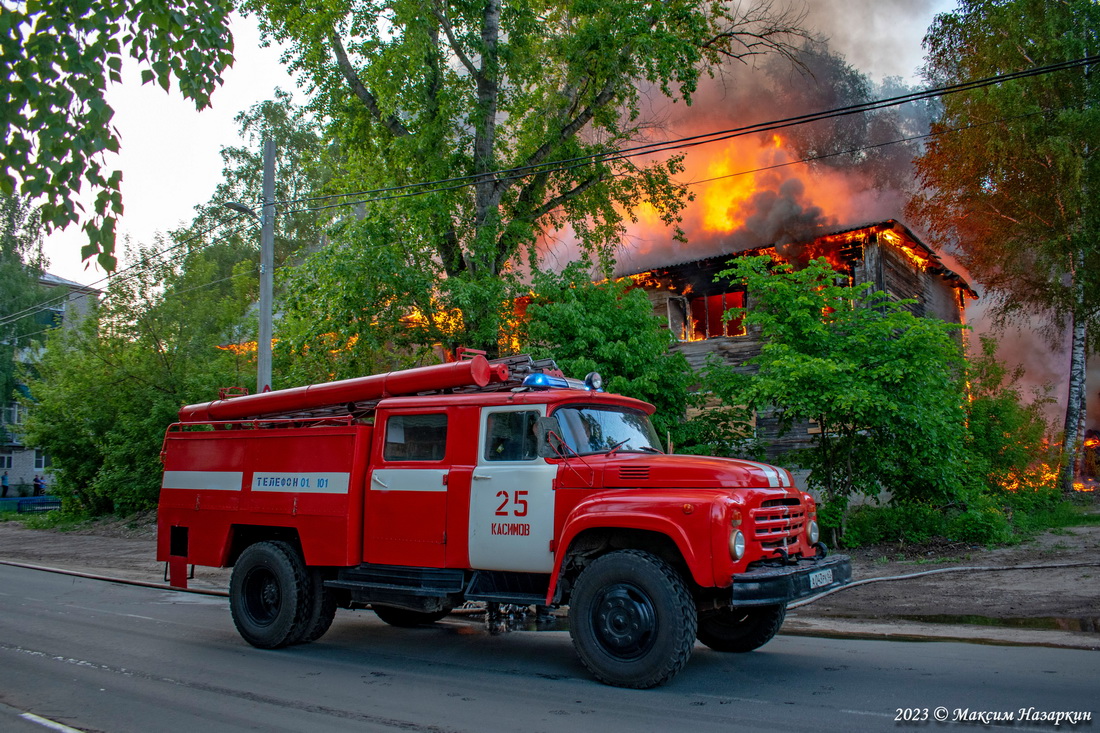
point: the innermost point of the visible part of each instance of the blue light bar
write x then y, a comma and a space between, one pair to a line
545, 381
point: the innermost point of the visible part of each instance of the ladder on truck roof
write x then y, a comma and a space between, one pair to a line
357, 398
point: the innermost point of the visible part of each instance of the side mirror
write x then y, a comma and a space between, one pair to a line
548, 436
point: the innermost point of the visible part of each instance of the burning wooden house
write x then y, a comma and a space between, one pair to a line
887, 254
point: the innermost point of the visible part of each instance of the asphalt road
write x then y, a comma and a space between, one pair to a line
99, 656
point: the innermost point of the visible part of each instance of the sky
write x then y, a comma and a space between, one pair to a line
169, 155
170, 152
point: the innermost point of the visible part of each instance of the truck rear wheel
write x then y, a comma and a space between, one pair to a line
632, 619
740, 629
407, 618
320, 609
269, 595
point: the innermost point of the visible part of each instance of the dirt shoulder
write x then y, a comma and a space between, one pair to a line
1056, 606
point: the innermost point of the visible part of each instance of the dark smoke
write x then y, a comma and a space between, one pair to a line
780, 217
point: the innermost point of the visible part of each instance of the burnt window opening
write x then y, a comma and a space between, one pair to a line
700, 317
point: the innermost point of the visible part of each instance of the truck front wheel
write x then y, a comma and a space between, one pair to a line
632, 619
269, 595
740, 629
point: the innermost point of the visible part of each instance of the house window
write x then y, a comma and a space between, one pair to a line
50, 317
706, 316
13, 414
5, 461
41, 460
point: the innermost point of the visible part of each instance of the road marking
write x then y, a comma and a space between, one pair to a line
47, 723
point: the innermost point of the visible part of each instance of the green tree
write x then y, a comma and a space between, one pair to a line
610, 328
104, 392
501, 99
1007, 434
302, 167
882, 384
57, 58
172, 330
1016, 192
22, 297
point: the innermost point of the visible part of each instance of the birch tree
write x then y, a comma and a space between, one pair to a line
1016, 192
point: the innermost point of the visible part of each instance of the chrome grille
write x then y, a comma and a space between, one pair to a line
777, 522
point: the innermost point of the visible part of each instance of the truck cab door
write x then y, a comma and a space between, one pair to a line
406, 498
512, 497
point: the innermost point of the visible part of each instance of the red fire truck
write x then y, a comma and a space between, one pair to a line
498, 481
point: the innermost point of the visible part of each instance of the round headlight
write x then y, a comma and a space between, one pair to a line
812, 531
737, 544
594, 381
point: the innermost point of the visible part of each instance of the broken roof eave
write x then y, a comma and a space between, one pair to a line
935, 264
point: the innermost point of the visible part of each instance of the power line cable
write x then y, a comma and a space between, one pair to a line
175, 292
710, 138
413, 189
113, 277
416, 189
860, 149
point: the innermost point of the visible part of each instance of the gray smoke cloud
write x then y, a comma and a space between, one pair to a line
855, 174
881, 37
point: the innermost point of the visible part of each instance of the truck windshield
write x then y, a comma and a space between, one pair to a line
600, 429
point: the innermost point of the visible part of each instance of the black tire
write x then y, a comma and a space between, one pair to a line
632, 619
740, 629
269, 595
321, 609
406, 618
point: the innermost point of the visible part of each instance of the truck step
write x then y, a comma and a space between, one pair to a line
416, 581
508, 587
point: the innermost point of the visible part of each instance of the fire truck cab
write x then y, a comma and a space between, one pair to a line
503, 482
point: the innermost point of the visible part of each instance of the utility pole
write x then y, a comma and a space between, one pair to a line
267, 270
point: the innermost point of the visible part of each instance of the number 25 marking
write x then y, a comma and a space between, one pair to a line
519, 500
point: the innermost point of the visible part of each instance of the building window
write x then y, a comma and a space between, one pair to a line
707, 311
13, 414
41, 460
5, 461
415, 438
50, 317
698, 318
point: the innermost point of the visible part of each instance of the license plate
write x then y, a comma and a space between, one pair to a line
821, 578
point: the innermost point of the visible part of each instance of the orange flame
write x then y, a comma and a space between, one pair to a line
245, 347
732, 182
1034, 478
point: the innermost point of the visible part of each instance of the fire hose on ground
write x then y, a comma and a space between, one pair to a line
797, 604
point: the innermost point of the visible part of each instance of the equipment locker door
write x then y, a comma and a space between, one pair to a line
511, 494
406, 503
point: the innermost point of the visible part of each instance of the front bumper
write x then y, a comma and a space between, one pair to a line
781, 584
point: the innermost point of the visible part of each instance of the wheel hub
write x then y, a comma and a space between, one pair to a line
625, 621
262, 596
